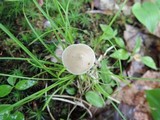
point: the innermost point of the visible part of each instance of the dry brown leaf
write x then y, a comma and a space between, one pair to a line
133, 97
107, 7
105, 4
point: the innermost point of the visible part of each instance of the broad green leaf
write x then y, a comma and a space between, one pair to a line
94, 99
107, 88
104, 72
71, 90
5, 90
16, 116
138, 45
11, 80
106, 28
158, 3
120, 54
148, 14
108, 32
4, 106
4, 116
25, 84
153, 99
148, 61
112, 84
3, 112
120, 42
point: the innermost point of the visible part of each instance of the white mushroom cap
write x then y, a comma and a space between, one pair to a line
47, 24
78, 58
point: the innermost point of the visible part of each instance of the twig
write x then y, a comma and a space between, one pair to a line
71, 112
78, 103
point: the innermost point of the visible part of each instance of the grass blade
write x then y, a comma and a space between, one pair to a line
25, 49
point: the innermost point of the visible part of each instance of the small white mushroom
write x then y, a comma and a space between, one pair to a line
78, 58
47, 24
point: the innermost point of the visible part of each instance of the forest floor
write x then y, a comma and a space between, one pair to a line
124, 82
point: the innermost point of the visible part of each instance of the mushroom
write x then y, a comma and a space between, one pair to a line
47, 24
78, 58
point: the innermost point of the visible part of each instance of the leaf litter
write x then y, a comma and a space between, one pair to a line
133, 99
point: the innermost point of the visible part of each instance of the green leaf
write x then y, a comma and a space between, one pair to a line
108, 32
104, 72
16, 116
11, 80
148, 14
2, 107
4, 113
71, 90
158, 3
120, 42
138, 45
25, 84
5, 90
106, 28
107, 88
148, 61
153, 99
94, 99
120, 54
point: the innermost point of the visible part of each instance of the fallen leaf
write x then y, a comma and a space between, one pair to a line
133, 98
127, 10
105, 4
107, 7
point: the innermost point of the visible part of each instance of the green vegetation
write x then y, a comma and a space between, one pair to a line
31, 85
